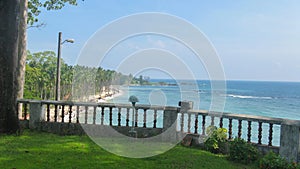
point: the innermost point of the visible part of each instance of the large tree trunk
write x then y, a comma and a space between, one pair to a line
22, 53
9, 10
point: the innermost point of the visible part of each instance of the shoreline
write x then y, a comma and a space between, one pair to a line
105, 95
109, 97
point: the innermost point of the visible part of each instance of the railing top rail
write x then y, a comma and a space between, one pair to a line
246, 117
172, 108
102, 104
24, 100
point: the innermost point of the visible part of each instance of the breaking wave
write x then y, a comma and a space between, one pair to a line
247, 97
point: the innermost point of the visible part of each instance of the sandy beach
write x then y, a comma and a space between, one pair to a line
109, 97
106, 94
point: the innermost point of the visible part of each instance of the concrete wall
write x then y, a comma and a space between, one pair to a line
77, 129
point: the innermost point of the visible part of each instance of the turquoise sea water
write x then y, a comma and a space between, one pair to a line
272, 99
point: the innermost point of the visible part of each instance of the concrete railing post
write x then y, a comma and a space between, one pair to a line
170, 115
170, 121
169, 124
185, 106
36, 114
289, 141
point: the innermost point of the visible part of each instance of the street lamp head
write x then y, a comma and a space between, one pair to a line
68, 40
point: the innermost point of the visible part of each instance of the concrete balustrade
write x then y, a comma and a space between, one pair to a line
174, 122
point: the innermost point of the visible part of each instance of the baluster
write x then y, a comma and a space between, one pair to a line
259, 132
196, 124
221, 122
182, 122
270, 134
203, 124
48, 112
127, 116
86, 115
155, 118
77, 114
119, 116
70, 114
189, 123
212, 120
230, 129
94, 114
102, 115
55, 113
145, 118
63, 113
25, 111
136, 118
110, 116
249, 131
240, 129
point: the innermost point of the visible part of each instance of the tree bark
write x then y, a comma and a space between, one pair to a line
22, 52
9, 10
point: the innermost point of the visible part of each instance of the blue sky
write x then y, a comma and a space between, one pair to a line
255, 40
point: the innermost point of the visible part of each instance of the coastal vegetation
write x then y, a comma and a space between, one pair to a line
275, 161
240, 151
216, 143
41, 74
84, 81
243, 152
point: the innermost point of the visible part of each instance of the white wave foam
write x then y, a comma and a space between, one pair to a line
247, 97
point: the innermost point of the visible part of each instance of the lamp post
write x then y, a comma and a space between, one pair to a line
57, 91
133, 100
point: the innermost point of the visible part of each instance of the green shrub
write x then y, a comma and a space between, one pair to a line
274, 161
216, 142
242, 152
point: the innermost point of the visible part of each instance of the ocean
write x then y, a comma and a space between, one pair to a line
271, 99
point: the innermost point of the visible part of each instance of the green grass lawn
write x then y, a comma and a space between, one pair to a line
43, 150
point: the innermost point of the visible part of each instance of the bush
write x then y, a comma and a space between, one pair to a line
274, 161
216, 142
242, 152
